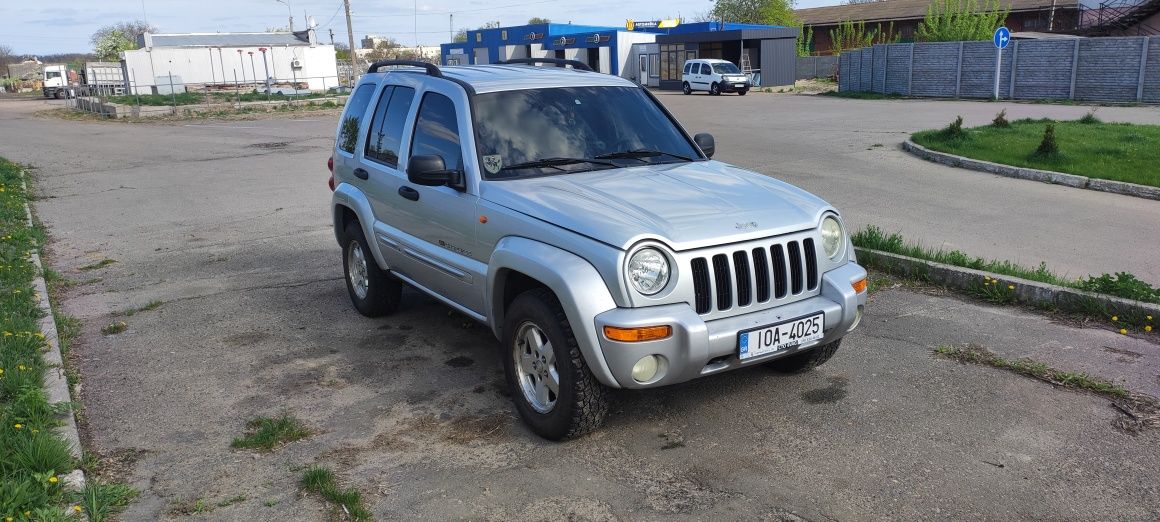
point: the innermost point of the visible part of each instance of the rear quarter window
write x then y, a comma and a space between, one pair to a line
351, 120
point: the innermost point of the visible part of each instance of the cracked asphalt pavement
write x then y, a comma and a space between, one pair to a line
232, 233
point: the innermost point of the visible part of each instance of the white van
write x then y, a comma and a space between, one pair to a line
715, 76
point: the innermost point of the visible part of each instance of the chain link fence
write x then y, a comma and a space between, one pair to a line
168, 95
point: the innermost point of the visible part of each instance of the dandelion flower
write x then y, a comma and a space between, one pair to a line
21, 367
77, 509
1123, 331
1010, 287
1115, 318
1147, 328
18, 426
1149, 317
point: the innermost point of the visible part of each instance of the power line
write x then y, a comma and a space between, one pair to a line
456, 11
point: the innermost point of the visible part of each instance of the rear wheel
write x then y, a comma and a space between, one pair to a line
714, 89
806, 361
373, 291
553, 390
686, 88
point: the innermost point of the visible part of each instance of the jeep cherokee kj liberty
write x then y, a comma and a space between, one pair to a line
569, 212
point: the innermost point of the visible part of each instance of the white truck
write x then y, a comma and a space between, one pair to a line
56, 81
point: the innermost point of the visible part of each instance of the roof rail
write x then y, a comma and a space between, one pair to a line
432, 69
576, 64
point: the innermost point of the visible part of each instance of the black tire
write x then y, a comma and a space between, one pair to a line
58, 95
742, 92
582, 402
686, 88
383, 292
715, 89
806, 361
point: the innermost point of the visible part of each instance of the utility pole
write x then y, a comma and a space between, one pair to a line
332, 37
451, 28
350, 41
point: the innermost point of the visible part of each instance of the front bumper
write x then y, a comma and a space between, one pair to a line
733, 86
698, 348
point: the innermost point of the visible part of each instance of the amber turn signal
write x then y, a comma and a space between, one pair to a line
636, 335
859, 285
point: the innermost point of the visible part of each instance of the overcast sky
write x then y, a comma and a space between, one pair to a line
65, 25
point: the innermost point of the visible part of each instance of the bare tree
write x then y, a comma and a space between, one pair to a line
704, 16
5, 57
537, 20
131, 30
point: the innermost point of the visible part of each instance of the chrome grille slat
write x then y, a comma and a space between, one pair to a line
761, 272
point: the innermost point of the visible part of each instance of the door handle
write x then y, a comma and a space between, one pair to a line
409, 193
361, 173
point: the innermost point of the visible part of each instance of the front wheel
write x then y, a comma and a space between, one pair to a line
714, 89
373, 292
806, 361
742, 92
686, 88
553, 390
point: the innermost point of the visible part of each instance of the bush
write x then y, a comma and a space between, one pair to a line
1090, 118
1048, 147
954, 131
1123, 285
1000, 121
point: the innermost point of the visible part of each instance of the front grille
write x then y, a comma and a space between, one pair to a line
758, 275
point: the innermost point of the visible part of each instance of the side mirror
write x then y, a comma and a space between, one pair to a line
706, 142
430, 171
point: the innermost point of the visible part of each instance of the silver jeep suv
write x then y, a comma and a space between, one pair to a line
569, 212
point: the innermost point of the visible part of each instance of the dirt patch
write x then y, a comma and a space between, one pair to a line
273, 145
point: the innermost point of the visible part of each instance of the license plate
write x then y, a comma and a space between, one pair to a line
739, 85
783, 336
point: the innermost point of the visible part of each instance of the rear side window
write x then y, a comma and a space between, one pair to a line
437, 132
352, 117
386, 133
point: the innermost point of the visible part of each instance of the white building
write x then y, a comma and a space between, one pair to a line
235, 59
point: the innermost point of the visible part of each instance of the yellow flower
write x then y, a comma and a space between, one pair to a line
1147, 328
1010, 287
1, 371
1115, 318
1149, 317
1123, 331
34, 431
21, 367
77, 509
39, 335
53, 480
7, 334
18, 426
7, 519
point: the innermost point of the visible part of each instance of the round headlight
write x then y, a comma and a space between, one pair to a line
648, 271
832, 237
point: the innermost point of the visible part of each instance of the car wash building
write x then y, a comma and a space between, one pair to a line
766, 53
604, 49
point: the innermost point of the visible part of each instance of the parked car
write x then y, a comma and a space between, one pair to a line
714, 76
571, 214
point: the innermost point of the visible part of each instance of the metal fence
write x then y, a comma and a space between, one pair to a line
1111, 69
810, 67
170, 96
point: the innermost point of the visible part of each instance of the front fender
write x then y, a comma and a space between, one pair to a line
350, 197
576, 283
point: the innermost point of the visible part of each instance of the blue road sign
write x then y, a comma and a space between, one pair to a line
1002, 37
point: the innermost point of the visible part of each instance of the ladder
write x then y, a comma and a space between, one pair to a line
746, 68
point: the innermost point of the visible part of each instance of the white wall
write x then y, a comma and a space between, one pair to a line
626, 45
202, 65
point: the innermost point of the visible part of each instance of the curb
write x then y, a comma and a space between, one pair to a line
55, 381
1045, 176
1030, 292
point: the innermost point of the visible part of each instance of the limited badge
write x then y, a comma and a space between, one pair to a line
492, 163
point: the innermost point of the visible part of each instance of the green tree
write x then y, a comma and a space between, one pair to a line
537, 20
805, 41
855, 35
742, 11
341, 52
490, 25
460, 35
961, 20
110, 40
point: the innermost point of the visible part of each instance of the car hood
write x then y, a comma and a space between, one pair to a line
685, 205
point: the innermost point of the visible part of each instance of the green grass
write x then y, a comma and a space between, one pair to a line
1122, 284
265, 433
321, 481
32, 456
115, 328
1087, 147
151, 305
860, 95
101, 500
194, 98
1078, 380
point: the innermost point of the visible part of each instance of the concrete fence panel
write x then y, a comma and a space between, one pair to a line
1113, 69
935, 69
1044, 69
809, 67
1151, 91
1109, 69
978, 75
897, 79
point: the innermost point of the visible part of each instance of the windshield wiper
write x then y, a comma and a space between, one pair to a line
556, 163
641, 153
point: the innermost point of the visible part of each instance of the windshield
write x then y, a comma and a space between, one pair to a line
516, 128
725, 68
51, 74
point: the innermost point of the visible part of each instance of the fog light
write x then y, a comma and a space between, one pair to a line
857, 319
645, 369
